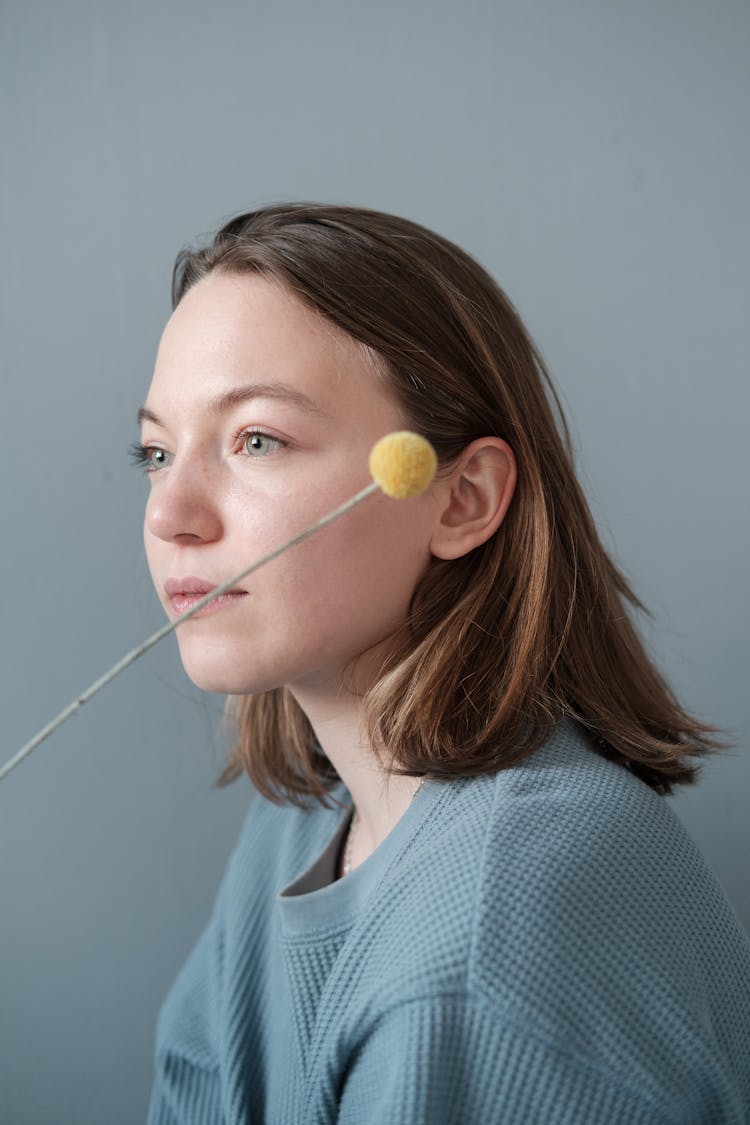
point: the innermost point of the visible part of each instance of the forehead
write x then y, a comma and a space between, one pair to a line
231, 328
247, 315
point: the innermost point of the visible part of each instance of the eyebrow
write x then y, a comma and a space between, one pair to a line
238, 395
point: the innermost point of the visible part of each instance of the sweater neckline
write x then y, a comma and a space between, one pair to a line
338, 902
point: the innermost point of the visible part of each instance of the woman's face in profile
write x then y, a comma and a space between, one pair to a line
260, 419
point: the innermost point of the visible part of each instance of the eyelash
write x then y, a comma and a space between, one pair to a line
140, 454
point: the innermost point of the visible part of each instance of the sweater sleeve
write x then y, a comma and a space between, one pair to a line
452, 1061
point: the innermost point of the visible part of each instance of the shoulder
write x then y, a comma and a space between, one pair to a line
563, 857
526, 848
580, 857
562, 833
565, 898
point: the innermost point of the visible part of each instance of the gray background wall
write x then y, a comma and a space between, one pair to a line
592, 154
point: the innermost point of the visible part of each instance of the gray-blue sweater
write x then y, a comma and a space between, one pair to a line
542, 945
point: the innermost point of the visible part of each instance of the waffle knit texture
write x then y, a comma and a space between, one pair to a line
545, 944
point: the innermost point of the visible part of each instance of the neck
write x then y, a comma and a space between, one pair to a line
380, 799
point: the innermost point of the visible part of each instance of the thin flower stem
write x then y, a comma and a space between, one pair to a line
165, 630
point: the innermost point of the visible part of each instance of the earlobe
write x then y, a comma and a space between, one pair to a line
474, 496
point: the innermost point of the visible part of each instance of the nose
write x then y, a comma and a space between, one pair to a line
184, 505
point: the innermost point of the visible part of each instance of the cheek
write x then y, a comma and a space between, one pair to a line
150, 545
159, 560
364, 567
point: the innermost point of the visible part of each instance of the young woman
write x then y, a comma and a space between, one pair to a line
459, 896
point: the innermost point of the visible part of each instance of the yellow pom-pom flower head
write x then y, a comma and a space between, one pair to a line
403, 464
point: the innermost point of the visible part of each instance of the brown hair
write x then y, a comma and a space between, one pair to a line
528, 628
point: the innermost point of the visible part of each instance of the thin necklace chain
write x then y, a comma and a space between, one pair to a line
346, 863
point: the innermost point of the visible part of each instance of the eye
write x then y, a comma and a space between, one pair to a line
157, 458
257, 444
151, 458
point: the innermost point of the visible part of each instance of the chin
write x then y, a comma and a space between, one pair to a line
218, 685
221, 674
209, 673
224, 682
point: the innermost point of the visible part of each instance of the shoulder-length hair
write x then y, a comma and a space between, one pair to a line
526, 629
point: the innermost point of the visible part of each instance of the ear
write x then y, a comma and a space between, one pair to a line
474, 497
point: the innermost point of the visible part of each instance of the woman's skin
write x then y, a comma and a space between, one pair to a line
259, 419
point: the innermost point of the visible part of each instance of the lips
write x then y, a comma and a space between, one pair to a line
183, 593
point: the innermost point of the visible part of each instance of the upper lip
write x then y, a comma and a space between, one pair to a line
192, 585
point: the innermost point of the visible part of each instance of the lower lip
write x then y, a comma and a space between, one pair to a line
181, 603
